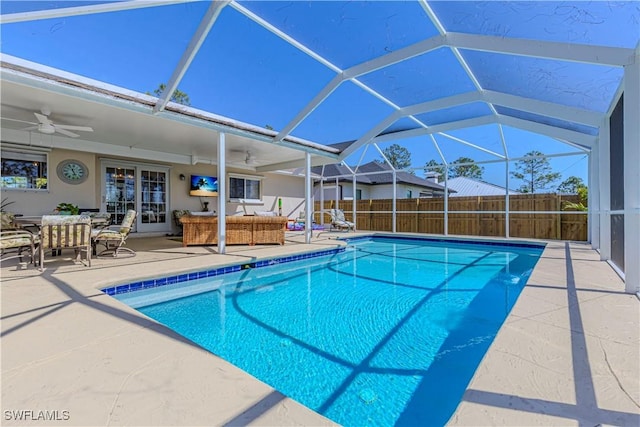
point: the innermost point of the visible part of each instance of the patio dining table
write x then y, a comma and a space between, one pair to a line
28, 222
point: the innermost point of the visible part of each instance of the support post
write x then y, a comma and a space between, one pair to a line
355, 225
446, 200
222, 194
506, 199
604, 184
308, 226
593, 203
393, 204
632, 175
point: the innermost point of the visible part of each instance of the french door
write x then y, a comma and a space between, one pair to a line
144, 188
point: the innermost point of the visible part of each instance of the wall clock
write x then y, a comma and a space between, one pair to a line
72, 171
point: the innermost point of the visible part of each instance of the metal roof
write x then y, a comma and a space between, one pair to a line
464, 187
367, 175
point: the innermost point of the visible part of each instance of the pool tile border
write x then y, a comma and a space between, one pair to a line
185, 277
532, 245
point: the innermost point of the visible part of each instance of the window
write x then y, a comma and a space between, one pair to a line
24, 170
244, 187
358, 194
409, 194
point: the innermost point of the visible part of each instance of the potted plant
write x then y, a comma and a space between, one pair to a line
67, 209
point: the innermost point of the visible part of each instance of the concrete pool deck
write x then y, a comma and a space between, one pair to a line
568, 353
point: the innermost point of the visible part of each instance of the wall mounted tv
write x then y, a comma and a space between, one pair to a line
204, 186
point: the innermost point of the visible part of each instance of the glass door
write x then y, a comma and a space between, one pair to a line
154, 207
143, 188
119, 191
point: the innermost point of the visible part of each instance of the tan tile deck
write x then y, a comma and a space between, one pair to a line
567, 355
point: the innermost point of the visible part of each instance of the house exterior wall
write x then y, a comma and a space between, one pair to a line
89, 193
381, 191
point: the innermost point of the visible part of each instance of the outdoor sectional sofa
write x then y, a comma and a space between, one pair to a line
241, 230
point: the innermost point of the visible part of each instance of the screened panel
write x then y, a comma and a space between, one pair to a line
522, 142
404, 123
486, 136
460, 112
586, 86
424, 78
594, 22
453, 149
345, 116
247, 73
124, 48
348, 33
537, 118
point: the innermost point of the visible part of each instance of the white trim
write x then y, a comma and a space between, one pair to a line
85, 10
571, 52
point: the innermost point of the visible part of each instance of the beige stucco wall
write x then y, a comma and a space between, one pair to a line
29, 202
88, 194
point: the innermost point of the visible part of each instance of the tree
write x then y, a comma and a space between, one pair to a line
571, 185
535, 171
398, 156
434, 166
574, 185
178, 96
469, 170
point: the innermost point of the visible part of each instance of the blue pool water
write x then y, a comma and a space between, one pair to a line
388, 332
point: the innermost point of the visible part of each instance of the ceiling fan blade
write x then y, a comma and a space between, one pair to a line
31, 128
71, 127
42, 118
66, 132
19, 121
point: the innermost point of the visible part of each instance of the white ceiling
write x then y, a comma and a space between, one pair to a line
126, 128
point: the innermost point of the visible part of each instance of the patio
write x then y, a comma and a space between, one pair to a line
568, 353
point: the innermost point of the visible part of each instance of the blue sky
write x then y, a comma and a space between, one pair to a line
247, 73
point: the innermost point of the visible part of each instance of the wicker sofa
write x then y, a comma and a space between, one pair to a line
241, 230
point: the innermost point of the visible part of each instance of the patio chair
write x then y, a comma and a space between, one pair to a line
339, 222
114, 237
59, 232
177, 214
14, 243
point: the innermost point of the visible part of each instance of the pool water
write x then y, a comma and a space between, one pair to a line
388, 332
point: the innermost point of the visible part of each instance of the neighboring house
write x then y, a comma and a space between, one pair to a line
465, 187
372, 185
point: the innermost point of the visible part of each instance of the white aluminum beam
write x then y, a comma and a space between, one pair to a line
543, 108
310, 107
551, 131
468, 144
308, 207
478, 121
85, 10
395, 57
370, 134
572, 52
442, 103
190, 52
222, 194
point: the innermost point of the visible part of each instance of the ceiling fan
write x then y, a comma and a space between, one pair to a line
45, 125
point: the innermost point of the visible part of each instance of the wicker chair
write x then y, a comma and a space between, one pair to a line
65, 232
114, 237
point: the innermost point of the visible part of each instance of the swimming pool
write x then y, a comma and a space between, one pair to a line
388, 331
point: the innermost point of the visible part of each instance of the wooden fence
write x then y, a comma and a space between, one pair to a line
470, 216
